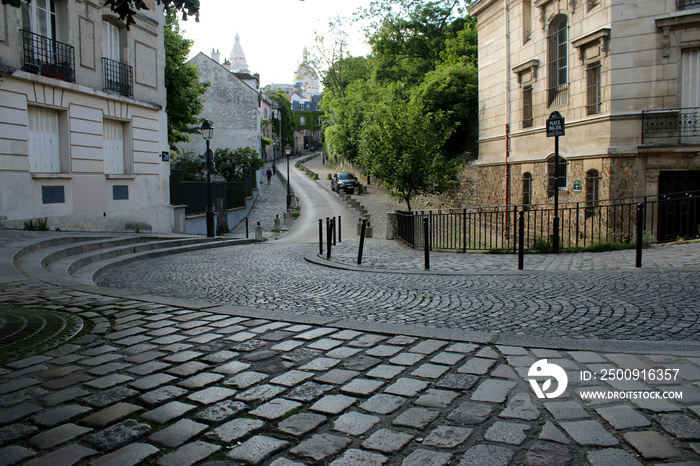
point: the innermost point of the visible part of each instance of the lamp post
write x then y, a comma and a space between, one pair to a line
207, 131
278, 114
288, 151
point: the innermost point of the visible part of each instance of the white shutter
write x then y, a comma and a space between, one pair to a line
114, 147
110, 41
690, 79
44, 146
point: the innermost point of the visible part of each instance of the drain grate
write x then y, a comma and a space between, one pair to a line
28, 331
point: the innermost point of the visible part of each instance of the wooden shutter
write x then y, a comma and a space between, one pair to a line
44, 146
114, 147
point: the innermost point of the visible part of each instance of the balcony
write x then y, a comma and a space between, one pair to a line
47, 57
687, 4
118, 77
678, 126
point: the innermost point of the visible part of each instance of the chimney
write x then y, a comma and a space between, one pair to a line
215, 55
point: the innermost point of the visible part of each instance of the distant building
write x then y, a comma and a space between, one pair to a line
83, 137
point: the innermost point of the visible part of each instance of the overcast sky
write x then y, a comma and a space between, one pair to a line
273, 33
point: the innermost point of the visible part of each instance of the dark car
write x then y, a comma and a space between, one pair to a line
345, 181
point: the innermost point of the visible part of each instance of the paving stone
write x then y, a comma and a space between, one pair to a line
275, 409
111, 414
60, 414
302, 355
211, 395
320, 364
130, 455
384, 351
478, 366
457, 381
589, 433
260, 393
27, 362
521, 361
402, 340
551, 433
492, 390
337, 376
434, 398
260, 355
308, 391
547, 454
383, 403
406, 386
64, 433
109, 381
236, 429
168, 412
623, 417
507, 432
430, 371
354, 423
512, 350
652, 445
504, 371
300, 424
162, 394
493, 455
680, 426
14, 454
447, 436
325, 344
66, 455
187, 369
417, 418
564, 410
387, 441
101, 360
18, 412
245, 379
118, 435
447, 358
421, 457
219, 357
520, 406
15, 432
176, 434
200, 380
257, 449
110, 397
385, 371
354, 457
189, 454
67, 381
470, 413
221, 411
62, 396
321, 446
367, 340
333, 404
611, 456
462, 347
360, 363
148, 368
361, 386
343, 352
152, 381
406, 359
291, 378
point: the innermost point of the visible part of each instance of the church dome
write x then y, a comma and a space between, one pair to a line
238, 63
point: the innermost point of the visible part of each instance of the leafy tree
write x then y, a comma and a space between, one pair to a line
184, 91
233, 164
193, 166
126, 9
285, 105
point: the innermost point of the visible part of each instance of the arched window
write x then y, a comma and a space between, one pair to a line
562, 174
592, 192
527, 189
557, 60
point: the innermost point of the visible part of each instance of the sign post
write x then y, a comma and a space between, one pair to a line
556, 128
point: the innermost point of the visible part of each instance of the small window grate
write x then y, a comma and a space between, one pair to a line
53, 195
120, 192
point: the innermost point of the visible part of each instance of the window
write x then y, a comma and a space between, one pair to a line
562, 175
114, 148
557, 49
527, 20
592, 4
593, 88
527, 189
110, 41
527, 106
44, 144
302, 120
39, 16
592, 192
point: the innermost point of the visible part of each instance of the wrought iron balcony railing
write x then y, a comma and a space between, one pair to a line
671, 127
687, 4
118, 77
47, 57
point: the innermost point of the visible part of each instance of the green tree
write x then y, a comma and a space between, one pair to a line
126, 9
285, 105
233, 164
192, 166
184, 91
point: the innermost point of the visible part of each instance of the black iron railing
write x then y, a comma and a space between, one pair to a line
582, 224
47, 57
671, 127
118, 77
685, 4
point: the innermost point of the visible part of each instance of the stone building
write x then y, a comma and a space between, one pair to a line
83, 129
625, 75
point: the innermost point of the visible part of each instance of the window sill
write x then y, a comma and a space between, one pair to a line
51, 176
119, 177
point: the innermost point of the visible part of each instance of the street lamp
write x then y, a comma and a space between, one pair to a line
207, 131
288, 151
278, 114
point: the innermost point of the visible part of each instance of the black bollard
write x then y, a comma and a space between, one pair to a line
640, 233
246, 227
333, 223
320, 236
340, 230
521, 241
362, 241
329, 238
426, 242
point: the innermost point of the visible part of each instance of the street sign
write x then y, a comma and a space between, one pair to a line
555, 125
578, 187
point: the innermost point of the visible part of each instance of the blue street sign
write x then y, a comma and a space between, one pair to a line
555, 125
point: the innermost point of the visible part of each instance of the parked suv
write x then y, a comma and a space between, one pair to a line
345, 181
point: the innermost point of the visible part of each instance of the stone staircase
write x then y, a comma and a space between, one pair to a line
81, 259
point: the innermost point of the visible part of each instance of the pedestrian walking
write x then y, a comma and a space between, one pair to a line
269, 175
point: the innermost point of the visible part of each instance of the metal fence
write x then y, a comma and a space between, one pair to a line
671, 126
582, 224
118, 77
47, 57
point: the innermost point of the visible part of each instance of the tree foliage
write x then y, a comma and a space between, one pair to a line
233, 164
184, 91
286, 120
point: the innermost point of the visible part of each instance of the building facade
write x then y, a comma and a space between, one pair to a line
625, 75
83, 129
